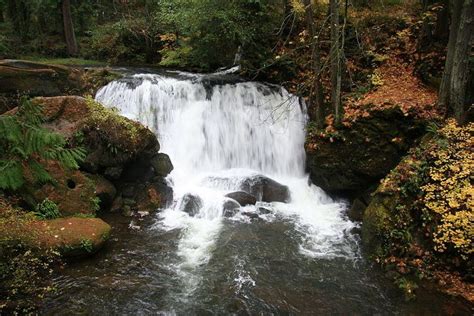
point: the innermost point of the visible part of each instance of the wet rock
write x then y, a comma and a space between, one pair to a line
149, 199
191, 204
250, 215
129, 202
266, 189
166, 193
139, 170
230, 208
161, 164
243, 198
263, 210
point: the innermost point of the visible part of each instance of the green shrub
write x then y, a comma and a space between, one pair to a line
47, 209
25, 146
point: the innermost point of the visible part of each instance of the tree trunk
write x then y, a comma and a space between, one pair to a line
460, 67
316, 106
335, 63
69, 35
443, 95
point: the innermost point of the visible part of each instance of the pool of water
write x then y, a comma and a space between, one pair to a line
256, 268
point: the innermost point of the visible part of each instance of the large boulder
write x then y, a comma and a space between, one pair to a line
72, 191
72, 236
265, 189
111, 140
121, 154
355, 160
242, 197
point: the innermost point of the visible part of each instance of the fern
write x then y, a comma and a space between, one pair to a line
25, 145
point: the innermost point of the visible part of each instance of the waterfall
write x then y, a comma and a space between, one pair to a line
219, 134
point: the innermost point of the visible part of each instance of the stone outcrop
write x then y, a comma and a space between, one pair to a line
354, 160
123, 162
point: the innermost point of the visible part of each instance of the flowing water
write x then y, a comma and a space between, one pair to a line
296, 257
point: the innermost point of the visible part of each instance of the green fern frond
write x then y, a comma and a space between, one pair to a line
39, 173
25, 143
12, 175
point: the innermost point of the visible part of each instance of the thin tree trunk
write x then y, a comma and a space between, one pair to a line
69, 35
460, 67
316, 110
444, 89
335, 63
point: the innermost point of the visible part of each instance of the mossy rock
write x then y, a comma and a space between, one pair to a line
376, 222
359, 156
110, 139
72, 191
72, 236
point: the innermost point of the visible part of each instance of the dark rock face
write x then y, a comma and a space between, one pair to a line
364, 154
242, 197
191, 204
104, 190
266, 189
161, 164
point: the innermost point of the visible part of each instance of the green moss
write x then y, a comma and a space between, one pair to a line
111, 120
377, 224
64, 61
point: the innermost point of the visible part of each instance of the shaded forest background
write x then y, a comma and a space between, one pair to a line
290, 42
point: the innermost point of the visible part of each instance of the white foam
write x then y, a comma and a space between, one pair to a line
217, 136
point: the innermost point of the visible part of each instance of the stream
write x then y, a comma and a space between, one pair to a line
300, 255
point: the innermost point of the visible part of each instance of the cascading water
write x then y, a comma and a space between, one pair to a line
218, 136
270, 258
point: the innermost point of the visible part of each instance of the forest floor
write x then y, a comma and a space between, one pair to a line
396, 85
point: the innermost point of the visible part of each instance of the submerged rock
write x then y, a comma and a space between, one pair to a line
243, 198
191, 204
266, 189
